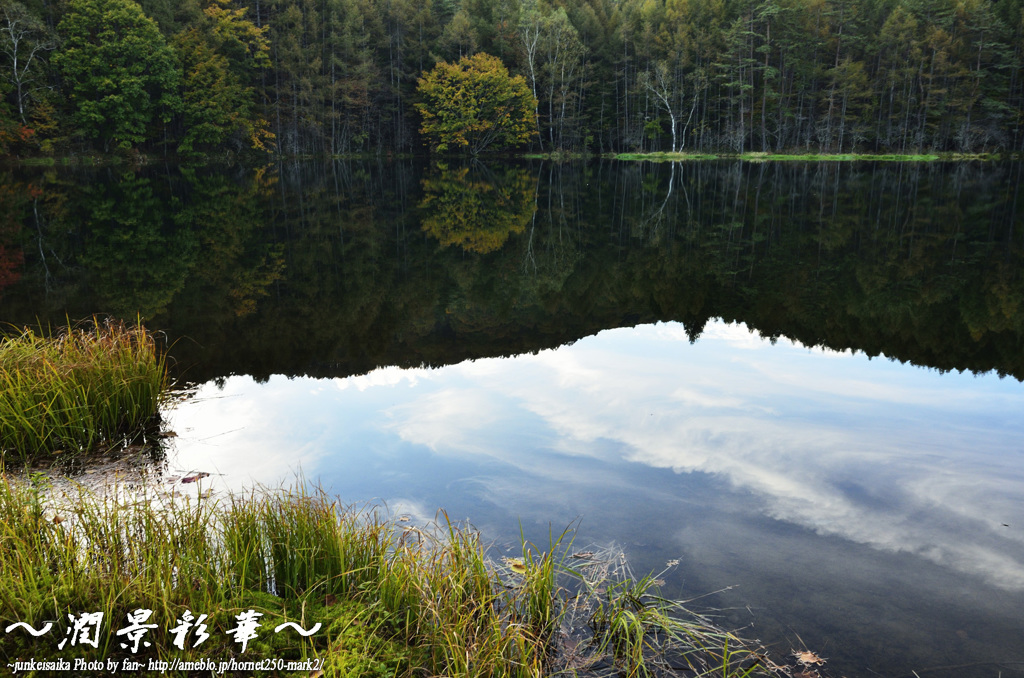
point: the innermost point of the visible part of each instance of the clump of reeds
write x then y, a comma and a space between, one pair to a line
392, 600
77, 390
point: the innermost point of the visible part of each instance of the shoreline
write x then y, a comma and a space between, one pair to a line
304, 583
143, 159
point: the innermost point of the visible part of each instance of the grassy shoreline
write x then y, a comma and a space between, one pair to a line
84, 388
391, 599
812, 157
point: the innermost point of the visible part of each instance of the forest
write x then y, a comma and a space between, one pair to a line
215, 78
334, 269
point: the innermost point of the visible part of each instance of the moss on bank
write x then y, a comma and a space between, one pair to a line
808, 157
815, 157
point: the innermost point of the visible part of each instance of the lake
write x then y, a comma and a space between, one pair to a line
800, 380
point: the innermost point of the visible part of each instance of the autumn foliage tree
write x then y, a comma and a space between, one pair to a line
219, 55
474, 105
477, 211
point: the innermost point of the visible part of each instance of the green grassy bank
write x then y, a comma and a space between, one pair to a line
391, 599
86, 387
772, 157
809, 157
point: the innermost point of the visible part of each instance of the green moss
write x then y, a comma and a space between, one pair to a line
355, 638
41, 161
558, 156
362, 643
665, 157
760, 156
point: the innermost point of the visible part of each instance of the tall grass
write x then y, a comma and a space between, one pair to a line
391, 600
82, 388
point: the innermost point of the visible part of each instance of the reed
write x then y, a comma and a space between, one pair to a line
392, 600
71, 393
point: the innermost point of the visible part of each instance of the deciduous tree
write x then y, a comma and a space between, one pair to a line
24, 40
475, 104
119, 69
217, 55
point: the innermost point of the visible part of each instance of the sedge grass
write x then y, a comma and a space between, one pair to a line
78, 390
391, 600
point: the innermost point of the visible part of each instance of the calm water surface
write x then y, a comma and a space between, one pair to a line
618, 348
859, 505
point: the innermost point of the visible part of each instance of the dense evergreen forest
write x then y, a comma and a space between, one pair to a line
194, 77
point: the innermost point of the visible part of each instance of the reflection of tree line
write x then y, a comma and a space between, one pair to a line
337, 269
129, 244
477, 212
12, 201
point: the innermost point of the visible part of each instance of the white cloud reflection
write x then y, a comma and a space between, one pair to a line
891, 456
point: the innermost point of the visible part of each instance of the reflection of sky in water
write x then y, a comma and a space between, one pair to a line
906, 461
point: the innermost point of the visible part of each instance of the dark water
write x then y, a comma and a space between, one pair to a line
785, 376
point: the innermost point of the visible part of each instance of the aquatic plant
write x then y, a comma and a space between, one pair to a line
390, 599
86, 386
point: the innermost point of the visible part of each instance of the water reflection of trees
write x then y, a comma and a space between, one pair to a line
15, 197
336, 269
476, 207
135, 256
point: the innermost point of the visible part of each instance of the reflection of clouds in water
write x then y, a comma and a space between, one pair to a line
735, 335
247, 433
453, 419
385, 376
896, 457
409, 512
897, 462
973, 495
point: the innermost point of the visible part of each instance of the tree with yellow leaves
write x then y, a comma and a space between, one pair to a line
480, 210
475, 104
